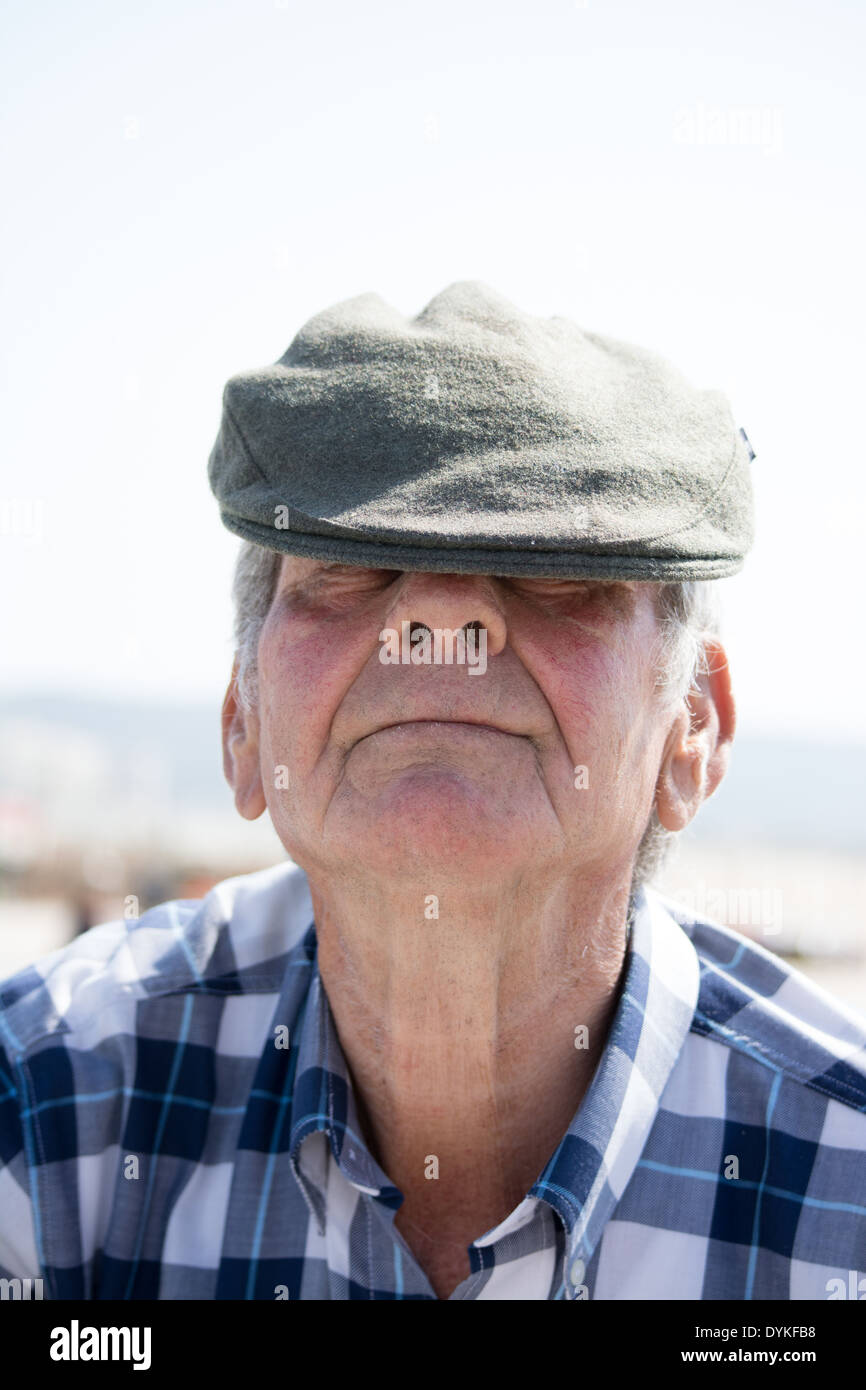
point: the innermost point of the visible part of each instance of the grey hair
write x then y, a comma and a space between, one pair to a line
255, 580
688, 613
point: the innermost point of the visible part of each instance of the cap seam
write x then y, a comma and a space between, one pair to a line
246, 447
688, 526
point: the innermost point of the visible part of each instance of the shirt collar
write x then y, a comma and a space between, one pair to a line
593, 1164
596, 1157
323, 1102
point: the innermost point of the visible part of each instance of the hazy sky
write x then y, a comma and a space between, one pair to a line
185, 184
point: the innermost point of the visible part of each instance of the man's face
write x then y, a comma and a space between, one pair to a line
419, 769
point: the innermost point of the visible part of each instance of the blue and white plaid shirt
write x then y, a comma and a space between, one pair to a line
158, 1141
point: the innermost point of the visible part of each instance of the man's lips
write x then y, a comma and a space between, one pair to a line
421, 726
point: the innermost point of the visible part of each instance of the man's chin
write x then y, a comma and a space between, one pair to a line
434, 816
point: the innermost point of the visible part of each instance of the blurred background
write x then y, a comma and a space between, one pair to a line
187, 183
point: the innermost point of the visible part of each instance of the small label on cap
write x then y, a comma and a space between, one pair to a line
747, 442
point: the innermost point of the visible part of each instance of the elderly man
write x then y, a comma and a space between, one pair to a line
458, 1047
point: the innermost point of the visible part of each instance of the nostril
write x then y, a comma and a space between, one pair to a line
474, 626
416, 627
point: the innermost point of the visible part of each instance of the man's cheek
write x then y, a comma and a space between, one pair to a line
294, 745
587, 715
293, 688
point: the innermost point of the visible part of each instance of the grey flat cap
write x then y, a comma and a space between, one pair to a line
477, 439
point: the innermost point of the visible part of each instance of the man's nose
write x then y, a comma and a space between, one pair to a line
450, 601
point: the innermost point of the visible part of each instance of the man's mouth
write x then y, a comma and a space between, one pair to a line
457, 727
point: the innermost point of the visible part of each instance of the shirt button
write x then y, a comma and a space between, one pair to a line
578, 1269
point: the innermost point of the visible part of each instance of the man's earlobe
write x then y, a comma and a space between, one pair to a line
698, 747
240, 739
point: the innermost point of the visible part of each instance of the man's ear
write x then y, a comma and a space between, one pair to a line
240, 731
696, 753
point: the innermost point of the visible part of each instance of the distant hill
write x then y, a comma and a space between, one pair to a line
789, 792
